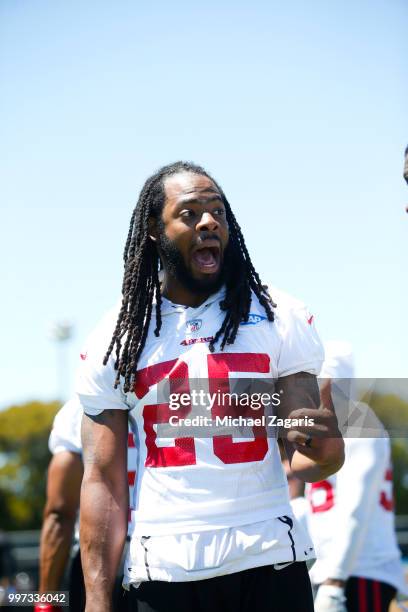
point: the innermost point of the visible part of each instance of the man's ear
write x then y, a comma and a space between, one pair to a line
152, 228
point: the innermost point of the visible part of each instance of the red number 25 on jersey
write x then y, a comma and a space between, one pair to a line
183, 452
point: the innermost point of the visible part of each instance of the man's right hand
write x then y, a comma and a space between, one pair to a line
330, 598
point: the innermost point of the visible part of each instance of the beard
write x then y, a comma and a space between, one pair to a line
176, 267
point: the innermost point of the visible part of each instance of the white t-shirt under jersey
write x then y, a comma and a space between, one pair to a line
204, 506
351, 517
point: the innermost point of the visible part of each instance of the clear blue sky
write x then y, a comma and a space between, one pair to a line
299, 109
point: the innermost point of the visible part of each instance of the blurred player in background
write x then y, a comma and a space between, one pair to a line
60, 533
61, 509
350, 514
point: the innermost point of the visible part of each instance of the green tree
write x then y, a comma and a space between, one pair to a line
400, 464
24, 458
392, 411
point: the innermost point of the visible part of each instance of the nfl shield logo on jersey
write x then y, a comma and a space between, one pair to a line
194, 325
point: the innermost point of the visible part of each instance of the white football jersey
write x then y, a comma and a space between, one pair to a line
66, 429
351, 517
189, 484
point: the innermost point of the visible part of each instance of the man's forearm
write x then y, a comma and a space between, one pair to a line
313, 444
102, 537
56, 538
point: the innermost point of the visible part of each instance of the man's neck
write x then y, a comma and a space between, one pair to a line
177, 293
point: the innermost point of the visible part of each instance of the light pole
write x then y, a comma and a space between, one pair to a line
61, 332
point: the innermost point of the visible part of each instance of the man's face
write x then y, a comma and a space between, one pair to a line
192, 234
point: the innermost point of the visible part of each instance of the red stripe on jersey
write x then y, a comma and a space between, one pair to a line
131, 440
362, 595
131, 477
130, 515
377, 596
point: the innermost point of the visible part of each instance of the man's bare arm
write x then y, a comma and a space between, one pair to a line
314, 451
104, 504
63, 488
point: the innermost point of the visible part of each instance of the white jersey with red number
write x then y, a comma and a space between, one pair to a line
66, 429
66, 436
200, 502
351, 518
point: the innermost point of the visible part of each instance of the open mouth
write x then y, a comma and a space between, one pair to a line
206, 258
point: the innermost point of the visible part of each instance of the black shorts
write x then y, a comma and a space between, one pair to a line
262, 589
365, 595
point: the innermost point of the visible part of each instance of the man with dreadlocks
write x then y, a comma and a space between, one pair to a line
212, 524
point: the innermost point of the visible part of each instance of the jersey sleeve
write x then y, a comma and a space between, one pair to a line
94, 381
301, 348
66, 430
358, 487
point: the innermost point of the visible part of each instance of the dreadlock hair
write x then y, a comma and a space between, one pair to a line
141, 279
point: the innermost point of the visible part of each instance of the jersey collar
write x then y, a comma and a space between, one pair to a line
169, 307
